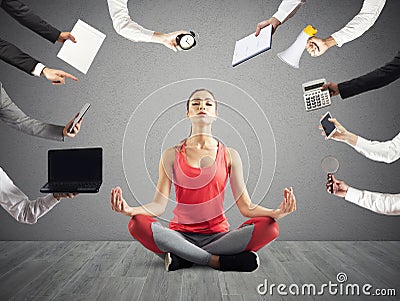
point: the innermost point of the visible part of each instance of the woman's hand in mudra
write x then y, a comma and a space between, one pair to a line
118, 204
288, 204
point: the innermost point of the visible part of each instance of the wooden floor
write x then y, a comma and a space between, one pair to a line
115, 270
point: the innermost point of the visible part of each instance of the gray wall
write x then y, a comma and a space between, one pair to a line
125, 73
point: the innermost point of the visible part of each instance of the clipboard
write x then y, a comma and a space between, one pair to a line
251, 46
81, 54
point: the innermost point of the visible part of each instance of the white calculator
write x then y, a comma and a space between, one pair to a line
314, 97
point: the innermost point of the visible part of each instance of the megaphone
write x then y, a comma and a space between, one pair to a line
292, 55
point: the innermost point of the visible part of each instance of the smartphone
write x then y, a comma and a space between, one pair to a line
329, 127
80, 115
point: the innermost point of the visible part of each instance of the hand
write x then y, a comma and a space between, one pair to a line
273, 21
339, 187
316, 46
57, 77
332, 87
118, 204
60, 195
341, 133
168, 39
288, 204
75, 130
65, 36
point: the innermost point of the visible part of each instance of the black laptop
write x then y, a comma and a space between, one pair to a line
77, 170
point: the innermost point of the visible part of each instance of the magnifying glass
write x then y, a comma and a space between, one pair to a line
330, 165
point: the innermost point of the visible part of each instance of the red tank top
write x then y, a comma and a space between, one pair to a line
200, 194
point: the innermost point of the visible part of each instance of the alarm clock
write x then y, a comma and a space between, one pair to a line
186, 40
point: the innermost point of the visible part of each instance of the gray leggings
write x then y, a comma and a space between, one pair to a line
198, 248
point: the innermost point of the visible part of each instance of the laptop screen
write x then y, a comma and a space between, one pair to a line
75, 165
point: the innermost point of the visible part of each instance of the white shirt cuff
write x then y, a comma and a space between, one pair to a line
361, 145
336, 37
353, 195
286, 9
38, 69
50, 201
147, 34
280, 16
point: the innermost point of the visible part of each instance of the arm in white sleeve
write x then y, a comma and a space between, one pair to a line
124, 25
382, 203
367, 16
388, 151
286, 8
17, 204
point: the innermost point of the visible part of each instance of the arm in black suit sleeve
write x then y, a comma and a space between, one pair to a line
14, 56
373, 80
24, 15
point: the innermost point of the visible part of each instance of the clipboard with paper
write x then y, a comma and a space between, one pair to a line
251, 46
81, 54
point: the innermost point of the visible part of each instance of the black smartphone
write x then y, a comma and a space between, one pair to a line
329, 127
80, 115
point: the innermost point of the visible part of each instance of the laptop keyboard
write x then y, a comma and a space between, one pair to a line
74, 184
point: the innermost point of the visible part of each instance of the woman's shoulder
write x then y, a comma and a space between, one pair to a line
168, 155
231, 155
172, 151
230, 150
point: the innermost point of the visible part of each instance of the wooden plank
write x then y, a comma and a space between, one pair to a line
54, 250
383, 253
86, 248
112, 250
136, 262
232, 298
11, 283
359, 266
201, 283
122, 288
7, 245
72, 297
92, 277
65, 269
84, 286
161, 285
17, 254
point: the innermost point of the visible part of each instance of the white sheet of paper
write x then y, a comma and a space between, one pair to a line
251, 46
81, 54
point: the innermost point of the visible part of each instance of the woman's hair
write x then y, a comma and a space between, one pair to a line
199, 90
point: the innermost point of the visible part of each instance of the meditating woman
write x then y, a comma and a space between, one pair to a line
199, 232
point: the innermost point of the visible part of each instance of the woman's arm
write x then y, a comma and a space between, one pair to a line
242, 198
157, 206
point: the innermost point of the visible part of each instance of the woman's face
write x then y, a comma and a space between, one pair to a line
202, 107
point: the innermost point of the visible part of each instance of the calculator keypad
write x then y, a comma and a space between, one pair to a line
316, 99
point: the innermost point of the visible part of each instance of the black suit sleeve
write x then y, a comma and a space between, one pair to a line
24, 15
373, 80
14, 56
